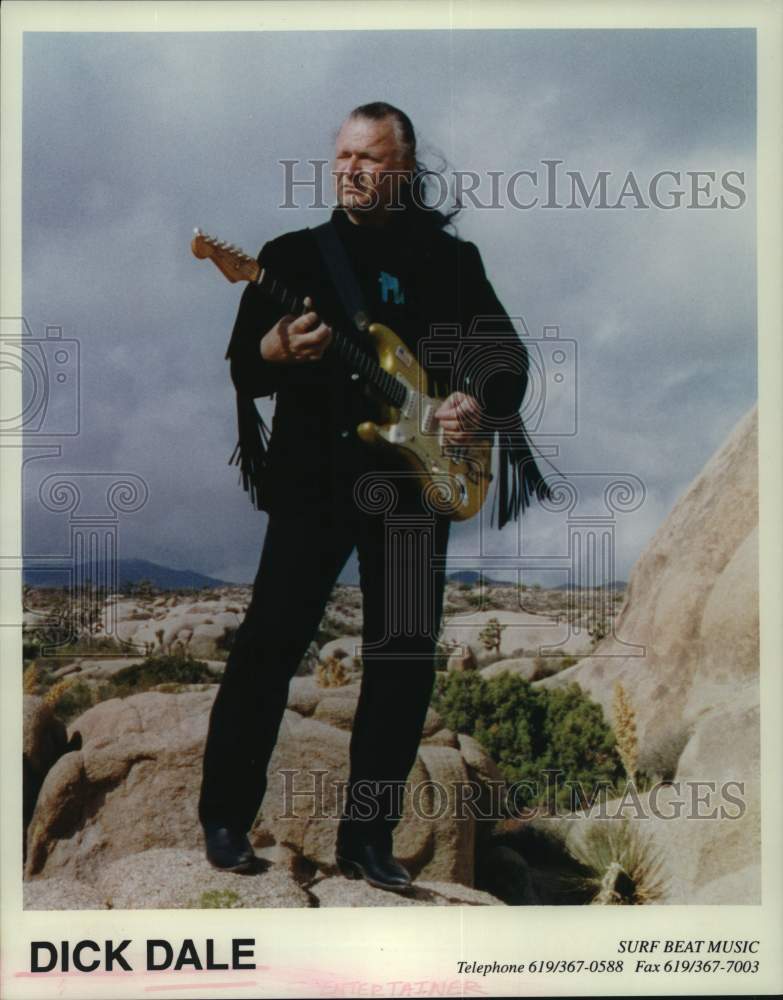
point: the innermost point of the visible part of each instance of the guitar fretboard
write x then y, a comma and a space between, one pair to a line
357, 359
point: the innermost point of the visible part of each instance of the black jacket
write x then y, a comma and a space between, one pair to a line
427, 286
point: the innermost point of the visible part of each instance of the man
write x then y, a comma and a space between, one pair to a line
316, 482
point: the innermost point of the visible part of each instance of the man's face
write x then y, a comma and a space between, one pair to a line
369, 166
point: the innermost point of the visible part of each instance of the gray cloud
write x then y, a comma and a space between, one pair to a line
130, 140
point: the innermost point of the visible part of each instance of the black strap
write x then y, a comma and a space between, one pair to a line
342, 274
519, 475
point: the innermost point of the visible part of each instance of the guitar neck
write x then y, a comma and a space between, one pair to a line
353, 356
236, 265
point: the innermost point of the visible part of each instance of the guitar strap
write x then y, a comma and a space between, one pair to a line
518, 474
342, 274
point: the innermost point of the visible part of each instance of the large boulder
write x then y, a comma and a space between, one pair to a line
131, 785
304, 693
44, 741
347, 647
685, 650
522, 635
204, 628
337, 706
523, 667
301, 809
43, 736
674, 857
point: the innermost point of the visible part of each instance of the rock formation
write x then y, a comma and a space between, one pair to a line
140, 757
685, 649
115, 820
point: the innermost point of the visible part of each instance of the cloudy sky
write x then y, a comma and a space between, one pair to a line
132, 139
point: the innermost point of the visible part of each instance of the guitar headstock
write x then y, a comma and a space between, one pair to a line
234, 263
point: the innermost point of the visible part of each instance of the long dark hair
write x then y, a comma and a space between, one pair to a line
413, 195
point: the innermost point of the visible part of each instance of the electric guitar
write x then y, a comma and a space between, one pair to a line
456, 478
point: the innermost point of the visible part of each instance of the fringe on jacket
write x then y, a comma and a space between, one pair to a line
519, 476
250, 453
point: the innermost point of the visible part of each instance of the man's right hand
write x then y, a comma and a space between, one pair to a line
296, 338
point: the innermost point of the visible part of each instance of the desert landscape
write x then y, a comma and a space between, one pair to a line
118, 689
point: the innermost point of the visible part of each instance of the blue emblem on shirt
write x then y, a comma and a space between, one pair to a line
390, 288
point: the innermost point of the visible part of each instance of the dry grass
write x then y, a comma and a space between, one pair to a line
625, 731
57, 690
31, 678
625, 867
332, 672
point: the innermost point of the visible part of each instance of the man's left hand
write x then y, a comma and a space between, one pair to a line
460, 417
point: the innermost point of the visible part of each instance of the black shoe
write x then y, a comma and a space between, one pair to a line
375, 865
228, 850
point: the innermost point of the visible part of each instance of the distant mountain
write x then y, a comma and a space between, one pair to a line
472, 577
134, 571
468, 576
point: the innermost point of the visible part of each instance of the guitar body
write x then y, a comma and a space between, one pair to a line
456, 478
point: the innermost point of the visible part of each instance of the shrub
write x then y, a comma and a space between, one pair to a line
490, 636
528, 731
443, 650
157, 670
597, 629
69, 698
31, 678
624, 866
547, 666
332, 672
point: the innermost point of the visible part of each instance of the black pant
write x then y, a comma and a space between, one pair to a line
402, 573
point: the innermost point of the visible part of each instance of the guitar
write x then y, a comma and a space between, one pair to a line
456, 478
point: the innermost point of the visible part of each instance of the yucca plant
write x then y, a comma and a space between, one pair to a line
624, 867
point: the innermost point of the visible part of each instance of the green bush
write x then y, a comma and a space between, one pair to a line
157, 670
69, 701
70, 697
528, 731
